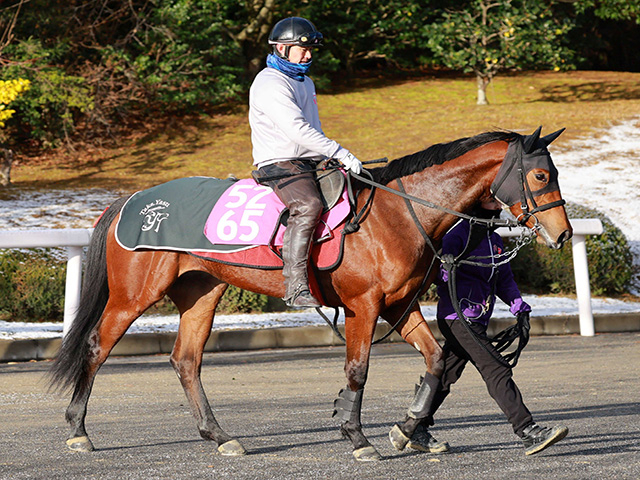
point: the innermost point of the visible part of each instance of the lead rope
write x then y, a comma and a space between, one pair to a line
504, 339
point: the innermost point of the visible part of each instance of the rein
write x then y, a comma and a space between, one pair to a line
524, 239
503, 339
498, 222
520, 330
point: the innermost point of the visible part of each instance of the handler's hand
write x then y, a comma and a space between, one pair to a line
518, 305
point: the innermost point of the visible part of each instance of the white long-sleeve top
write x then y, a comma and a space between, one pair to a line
283, 114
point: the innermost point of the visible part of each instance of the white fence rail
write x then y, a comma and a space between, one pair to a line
75, 239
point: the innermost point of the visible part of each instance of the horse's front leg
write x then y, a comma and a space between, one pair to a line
415, 331
196, 301
348, 405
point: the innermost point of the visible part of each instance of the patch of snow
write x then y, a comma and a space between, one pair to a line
25, 210
602, 172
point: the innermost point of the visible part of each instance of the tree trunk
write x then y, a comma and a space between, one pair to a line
6, 159
253, 38
483, 82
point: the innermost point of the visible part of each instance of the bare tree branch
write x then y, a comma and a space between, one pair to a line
262, 19
7, 35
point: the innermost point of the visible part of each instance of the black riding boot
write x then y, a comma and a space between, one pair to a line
295, 253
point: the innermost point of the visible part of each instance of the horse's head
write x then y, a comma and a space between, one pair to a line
527, 183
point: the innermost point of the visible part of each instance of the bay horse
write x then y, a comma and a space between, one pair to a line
385, 264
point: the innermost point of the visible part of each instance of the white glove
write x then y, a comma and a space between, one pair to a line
350, 162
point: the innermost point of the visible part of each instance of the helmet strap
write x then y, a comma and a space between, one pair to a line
287, 49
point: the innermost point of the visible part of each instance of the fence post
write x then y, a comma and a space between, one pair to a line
583, 289
582, 228
72, 287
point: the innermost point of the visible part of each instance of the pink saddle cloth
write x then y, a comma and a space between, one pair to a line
248, 213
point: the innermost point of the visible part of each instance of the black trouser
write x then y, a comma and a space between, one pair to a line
459, 348
300, 195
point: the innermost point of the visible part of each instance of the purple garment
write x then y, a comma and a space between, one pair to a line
474, 283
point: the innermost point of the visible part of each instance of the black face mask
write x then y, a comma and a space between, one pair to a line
529, 153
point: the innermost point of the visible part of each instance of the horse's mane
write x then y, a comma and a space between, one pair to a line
436, 155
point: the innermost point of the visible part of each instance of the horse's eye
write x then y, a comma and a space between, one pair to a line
541, 177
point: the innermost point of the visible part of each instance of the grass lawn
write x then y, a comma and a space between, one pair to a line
373, 119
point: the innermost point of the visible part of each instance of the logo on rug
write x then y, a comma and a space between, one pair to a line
154, 215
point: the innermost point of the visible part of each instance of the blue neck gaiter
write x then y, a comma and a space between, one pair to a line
297, 71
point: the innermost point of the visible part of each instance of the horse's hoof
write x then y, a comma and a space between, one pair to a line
398, 438
367, 454
232, 448
80, 444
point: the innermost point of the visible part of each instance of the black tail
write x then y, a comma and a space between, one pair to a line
70, 368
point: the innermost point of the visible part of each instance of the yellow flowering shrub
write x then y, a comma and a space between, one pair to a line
9, 91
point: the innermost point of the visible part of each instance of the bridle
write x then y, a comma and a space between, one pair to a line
505, 181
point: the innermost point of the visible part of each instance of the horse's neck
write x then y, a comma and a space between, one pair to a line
457, 184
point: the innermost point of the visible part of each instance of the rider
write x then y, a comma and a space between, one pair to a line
476, 287
288, 140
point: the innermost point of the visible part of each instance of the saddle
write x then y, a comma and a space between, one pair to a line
330, 185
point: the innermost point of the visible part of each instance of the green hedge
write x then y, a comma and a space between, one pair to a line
31, 285
236, 300
542, 270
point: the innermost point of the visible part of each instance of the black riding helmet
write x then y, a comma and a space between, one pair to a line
295, 31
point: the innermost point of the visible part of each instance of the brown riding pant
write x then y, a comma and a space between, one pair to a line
300, 195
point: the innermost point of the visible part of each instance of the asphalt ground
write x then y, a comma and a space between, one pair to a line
278, 403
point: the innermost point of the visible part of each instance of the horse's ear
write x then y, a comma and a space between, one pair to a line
531, 140
547, 139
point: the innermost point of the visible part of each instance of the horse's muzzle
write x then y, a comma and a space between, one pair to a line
549, 241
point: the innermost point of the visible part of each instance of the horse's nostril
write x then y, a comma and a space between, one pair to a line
564, 236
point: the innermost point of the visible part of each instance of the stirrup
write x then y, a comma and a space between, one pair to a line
302, 298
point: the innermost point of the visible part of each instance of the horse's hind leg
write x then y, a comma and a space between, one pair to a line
114, 323
196, 295
119, 313
417, 333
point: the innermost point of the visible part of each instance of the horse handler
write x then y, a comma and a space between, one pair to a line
476, 288
288, 140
